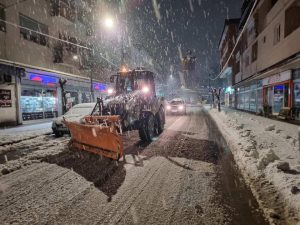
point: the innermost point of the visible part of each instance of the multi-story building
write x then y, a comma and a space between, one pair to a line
226, 45
268, 58
41, 43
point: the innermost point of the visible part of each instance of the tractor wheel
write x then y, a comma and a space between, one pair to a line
160, 120
147, 128
58, 134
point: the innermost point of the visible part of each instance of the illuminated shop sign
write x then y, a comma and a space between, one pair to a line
50, 81
277, 78
99, 86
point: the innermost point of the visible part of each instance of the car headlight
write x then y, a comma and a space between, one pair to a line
168, 107
180, 107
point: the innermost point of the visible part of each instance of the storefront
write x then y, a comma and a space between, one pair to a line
296, 93
79, 91
250, 97
99, 90
276, 90
229, 97
259, 97
39, 96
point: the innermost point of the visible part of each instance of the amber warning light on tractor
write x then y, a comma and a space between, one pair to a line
124, 69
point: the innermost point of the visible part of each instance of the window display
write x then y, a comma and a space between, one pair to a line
37, 103
72, 99
252, 100
85, 97
259, 100
297, 94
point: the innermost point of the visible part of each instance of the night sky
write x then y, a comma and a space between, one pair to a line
162, 26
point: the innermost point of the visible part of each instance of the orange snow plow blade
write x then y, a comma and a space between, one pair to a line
99, 135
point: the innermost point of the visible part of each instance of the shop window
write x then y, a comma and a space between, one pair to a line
259, 104
273, 2
296, 96
246, 60
254, 52
37, 103
277, 33
2, 17
29, 29
292, 18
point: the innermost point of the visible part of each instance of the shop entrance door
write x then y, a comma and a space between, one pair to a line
281, 93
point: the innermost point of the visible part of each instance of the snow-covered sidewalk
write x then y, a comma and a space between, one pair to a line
264, 148
24, 132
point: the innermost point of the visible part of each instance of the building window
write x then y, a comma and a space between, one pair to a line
254, 52
29, 29
292, 19
67, 10
2, 17
64, 8
246, 60
277, 34
273, 2
264, 39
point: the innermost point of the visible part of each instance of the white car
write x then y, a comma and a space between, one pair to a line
176, 106
76, 113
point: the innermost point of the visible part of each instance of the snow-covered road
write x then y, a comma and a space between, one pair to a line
180, 178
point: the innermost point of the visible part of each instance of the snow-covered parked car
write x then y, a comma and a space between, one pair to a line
76, 113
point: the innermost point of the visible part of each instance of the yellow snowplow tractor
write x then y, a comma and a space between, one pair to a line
132, 105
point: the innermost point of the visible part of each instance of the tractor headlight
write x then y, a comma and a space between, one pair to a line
145, 89
110, 91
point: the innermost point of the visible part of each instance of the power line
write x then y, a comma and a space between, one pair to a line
58, 39
237, 41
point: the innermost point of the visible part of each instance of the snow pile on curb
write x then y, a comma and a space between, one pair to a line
34, 157
266, 151
6, 139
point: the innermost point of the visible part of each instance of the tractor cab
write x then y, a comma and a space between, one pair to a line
133, 80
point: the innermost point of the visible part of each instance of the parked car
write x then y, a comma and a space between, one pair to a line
176, 106
76, 113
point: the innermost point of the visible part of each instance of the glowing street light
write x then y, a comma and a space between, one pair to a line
109, 23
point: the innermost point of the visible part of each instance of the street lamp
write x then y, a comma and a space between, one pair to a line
109, 23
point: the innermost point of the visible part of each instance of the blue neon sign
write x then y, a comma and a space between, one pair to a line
99, 86
46, 80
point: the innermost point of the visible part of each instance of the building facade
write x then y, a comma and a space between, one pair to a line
42, 43
226, 45
267, 58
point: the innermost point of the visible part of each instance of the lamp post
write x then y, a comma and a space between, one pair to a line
110, 24
62, 83
91, 78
